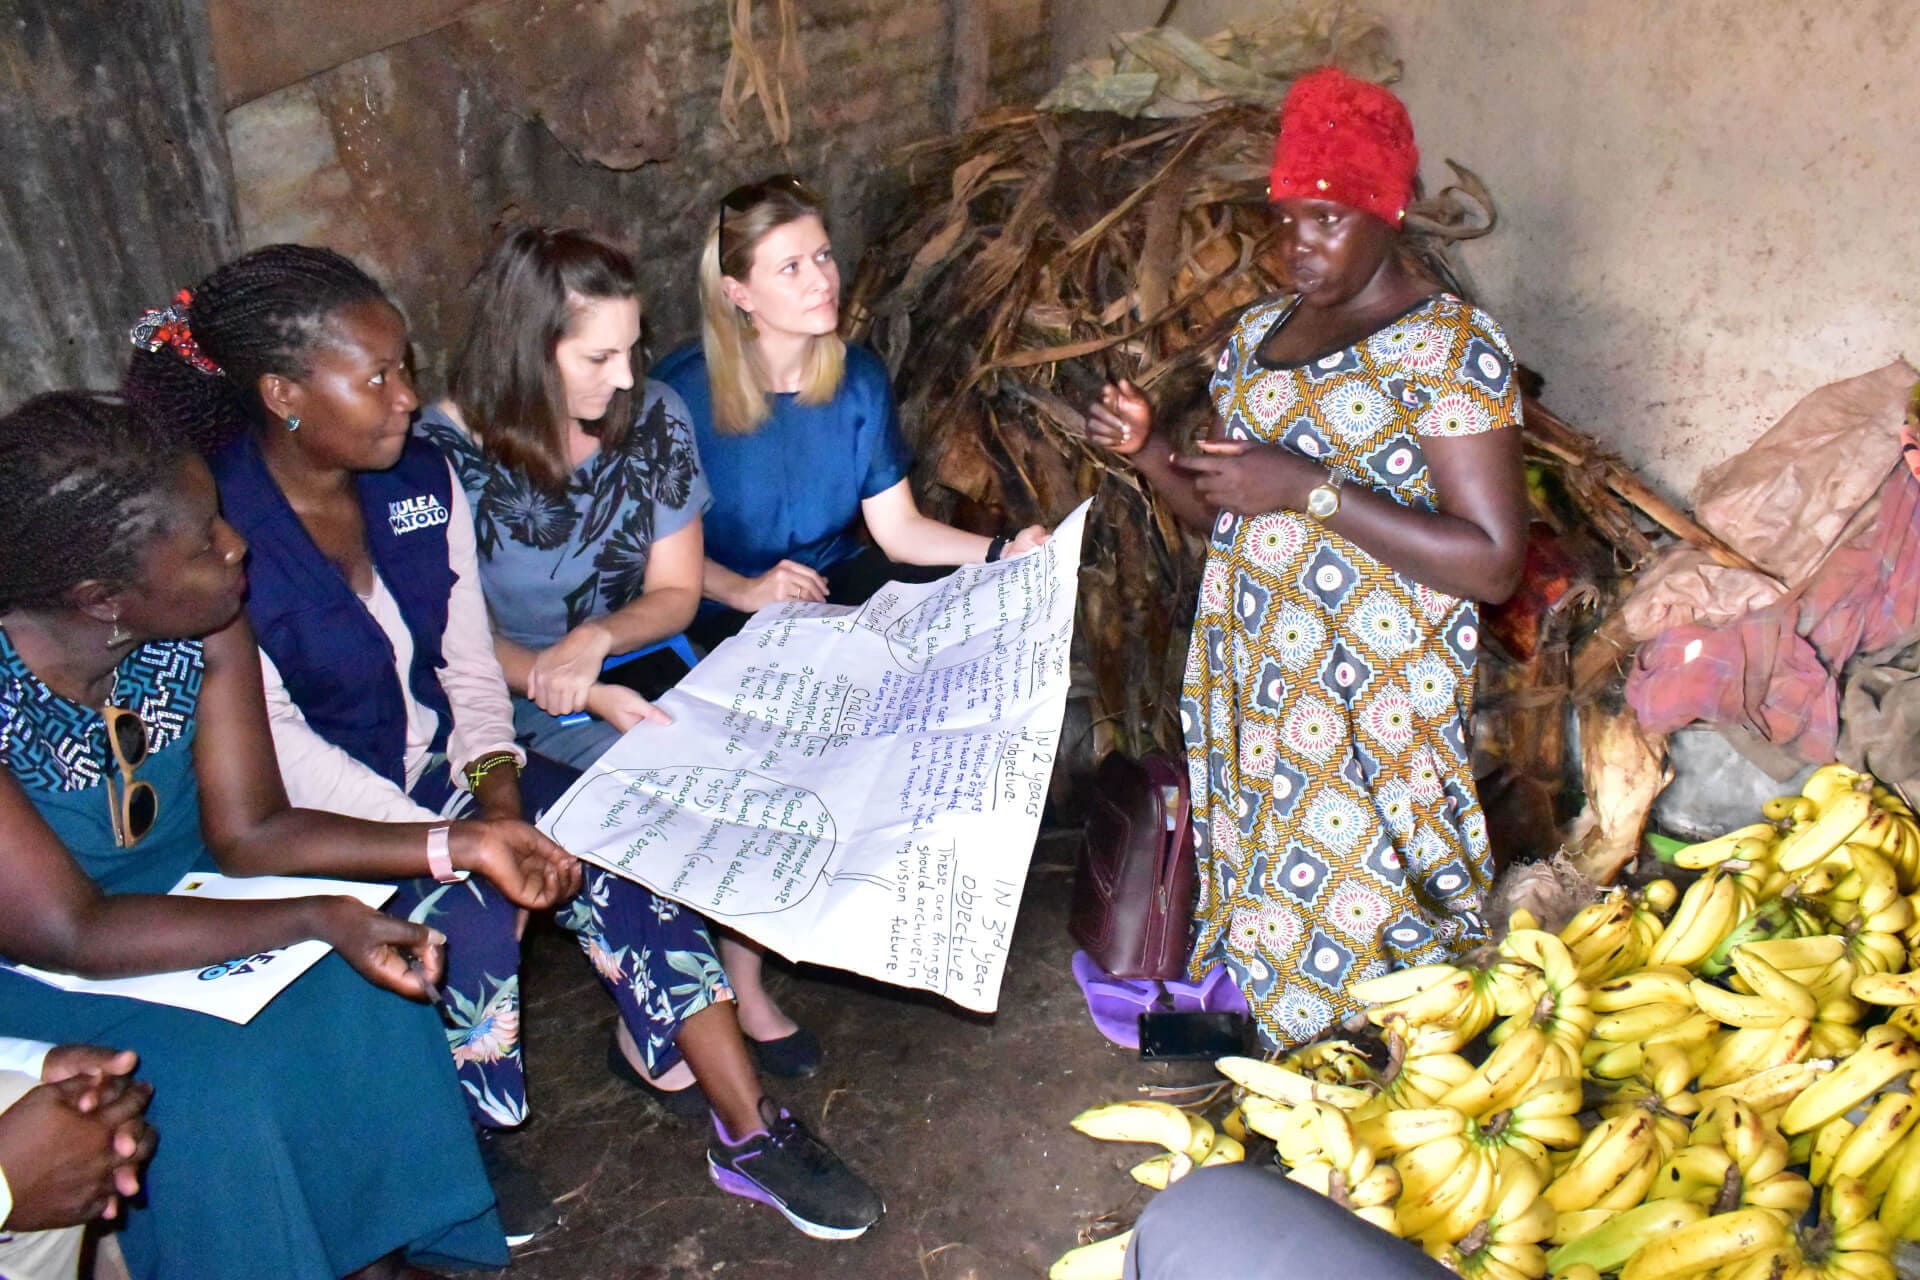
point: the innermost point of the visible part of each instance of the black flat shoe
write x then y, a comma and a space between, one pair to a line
526, 1210
791, 1056
689, 1103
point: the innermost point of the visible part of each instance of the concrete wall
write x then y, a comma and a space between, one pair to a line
1707, 207
605, 113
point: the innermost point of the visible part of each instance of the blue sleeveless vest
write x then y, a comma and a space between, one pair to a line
337, 663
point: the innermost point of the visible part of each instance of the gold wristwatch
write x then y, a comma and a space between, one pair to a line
1323, 500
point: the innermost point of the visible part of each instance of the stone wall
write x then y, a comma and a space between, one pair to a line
604, 113
1706, 208
114, 184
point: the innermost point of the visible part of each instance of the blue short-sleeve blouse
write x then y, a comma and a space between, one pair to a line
792, 489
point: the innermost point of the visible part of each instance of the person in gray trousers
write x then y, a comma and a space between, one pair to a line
1247, 1223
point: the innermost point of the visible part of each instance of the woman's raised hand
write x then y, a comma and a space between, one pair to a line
1121, 419
563, 672
788, 580
530, 870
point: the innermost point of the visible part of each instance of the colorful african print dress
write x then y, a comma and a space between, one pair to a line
1327, 698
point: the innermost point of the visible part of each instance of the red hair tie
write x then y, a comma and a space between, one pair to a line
168, 327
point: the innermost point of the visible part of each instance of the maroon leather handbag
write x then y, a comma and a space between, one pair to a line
1134, 886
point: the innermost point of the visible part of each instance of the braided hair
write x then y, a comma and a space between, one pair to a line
261, 313
82, 479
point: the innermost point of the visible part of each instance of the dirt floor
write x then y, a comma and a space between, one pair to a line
959, 1120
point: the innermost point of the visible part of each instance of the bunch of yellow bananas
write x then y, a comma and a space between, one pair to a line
1190, 1142
1644, 1099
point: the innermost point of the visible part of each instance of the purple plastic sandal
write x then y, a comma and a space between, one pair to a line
1217, 992
1115, 1004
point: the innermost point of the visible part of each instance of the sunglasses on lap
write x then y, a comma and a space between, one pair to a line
138, 806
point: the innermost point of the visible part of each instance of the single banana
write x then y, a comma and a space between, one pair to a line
1716, 1241
1709, 853
1271, 1080
1380, 1187
1736, 1010
1900, 1201
1391, 1132
1887, 988
1817, 840
1828, 1140
1140, 1120
1162, 1171
1772, 1088
1890, 1119
1607, 1247
1818, 950
1659, 895
1384, 1216
1885, 1054
1101, 1260
1828, 783
1227, 1149
1665, 984
1200, 1137
1767, 982
1642, 1020
1502, 1078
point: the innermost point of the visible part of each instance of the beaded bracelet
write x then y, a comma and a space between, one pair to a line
477, 771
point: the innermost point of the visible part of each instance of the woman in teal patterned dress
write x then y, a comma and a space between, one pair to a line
326, 1137
1363, 490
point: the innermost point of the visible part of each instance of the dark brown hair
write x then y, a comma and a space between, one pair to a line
505, 380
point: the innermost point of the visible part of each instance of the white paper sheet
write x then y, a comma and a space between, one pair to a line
236, 989
859, 788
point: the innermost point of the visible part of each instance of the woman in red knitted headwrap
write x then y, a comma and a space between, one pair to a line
1363, 488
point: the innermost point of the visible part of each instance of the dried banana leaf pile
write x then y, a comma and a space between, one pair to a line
1039, 256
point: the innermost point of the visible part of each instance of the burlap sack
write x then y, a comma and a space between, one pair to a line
1784, 499
1684, 586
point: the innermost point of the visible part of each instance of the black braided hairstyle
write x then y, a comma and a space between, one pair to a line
82, 479
261, 313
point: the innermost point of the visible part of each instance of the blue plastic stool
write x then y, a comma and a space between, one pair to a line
681, 647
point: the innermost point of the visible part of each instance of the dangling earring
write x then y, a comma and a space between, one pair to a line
293, 423
117, 637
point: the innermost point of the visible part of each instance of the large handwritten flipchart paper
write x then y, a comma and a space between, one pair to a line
856, 787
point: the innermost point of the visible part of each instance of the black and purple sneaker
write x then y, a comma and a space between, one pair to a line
784, 1165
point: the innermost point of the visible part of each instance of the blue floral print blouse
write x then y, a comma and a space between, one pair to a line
551, 561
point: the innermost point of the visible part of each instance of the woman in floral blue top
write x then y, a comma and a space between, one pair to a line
586, 495
586, 513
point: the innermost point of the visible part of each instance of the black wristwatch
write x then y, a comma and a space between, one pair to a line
994, 548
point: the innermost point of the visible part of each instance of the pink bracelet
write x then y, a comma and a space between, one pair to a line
439, 860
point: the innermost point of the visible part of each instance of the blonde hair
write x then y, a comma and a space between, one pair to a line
736, 375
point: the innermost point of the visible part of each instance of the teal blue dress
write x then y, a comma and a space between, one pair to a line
319, 1137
